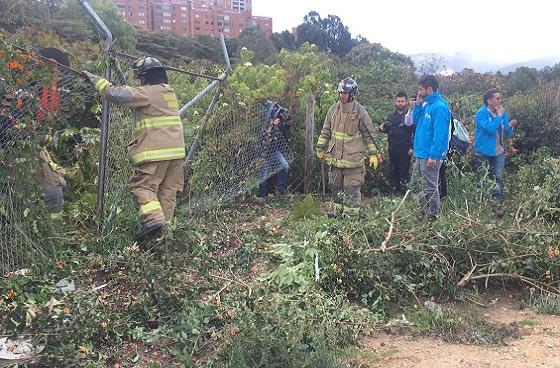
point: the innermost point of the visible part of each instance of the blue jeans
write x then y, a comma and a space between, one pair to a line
274, 163
495, 166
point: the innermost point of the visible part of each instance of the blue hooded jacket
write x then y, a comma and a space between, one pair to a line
487, 128
433, 128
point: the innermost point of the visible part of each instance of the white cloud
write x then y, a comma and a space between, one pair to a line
497, 30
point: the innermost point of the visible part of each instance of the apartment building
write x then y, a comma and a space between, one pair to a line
190, 18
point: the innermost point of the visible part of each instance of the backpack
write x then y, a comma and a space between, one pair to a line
459, 141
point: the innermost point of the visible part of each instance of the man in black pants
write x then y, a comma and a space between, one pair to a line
400, 143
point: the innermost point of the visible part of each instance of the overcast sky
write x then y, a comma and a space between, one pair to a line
493, 30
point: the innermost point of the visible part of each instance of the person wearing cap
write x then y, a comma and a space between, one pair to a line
347, 136
157, 149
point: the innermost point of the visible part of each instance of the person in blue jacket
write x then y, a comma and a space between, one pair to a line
432, 118
493, 127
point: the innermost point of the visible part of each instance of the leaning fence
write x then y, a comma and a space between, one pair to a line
38, 104
231, 145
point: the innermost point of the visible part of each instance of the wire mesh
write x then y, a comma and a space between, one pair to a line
38, 99
240, 149
117, 198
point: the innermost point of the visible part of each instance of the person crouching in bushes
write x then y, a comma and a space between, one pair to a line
274, 141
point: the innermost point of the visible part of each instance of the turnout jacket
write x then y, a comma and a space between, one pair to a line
347, 135
158, 134
48, 172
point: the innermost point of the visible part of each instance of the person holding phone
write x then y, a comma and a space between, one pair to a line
493, 127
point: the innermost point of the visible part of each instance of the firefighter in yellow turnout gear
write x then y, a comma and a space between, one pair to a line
157, 149
346, 138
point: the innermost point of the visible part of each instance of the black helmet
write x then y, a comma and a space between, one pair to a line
347, 85
273, 110
145, 64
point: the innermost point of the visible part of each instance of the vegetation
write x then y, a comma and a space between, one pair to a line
275, 284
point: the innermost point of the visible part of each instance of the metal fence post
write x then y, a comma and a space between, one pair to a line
105, 108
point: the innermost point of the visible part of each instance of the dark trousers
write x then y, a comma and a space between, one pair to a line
400, 167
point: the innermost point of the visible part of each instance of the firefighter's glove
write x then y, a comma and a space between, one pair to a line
373, 161
320, 155
90, 76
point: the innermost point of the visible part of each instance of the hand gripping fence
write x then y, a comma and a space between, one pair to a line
231, 144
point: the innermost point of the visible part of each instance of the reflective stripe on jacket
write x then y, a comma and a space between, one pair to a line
158, 134
48, 173
347, 135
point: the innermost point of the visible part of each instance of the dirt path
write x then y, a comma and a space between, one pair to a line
538, 346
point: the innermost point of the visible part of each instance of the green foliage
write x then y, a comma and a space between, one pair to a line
306, 209
539, 119
69, 22
545, 303
328, 33
21, 13
469, 82
465, 327
179, 49
254, 39
522, 80
284, 40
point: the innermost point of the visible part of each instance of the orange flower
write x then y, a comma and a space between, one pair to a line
103, 325
59, 265
14, 64
10, 294
66, 309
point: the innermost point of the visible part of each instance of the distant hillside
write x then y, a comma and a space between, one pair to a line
457, 62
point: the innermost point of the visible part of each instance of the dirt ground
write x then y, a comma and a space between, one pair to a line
538, 345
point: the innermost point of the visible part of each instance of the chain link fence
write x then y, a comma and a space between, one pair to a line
38, 99
241, 148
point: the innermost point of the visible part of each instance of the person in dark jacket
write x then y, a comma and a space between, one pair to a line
400, 143
274, 144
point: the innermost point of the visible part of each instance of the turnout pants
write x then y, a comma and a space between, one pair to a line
154, 186
345, 186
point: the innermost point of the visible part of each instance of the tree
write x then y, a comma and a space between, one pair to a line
73, 23
21, 13
340, 40
254, 39
284, 40
521, 80
380, 73
329, 33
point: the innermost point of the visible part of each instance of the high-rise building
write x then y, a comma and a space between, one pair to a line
190, 18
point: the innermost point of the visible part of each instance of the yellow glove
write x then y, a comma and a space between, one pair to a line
373, 161
321, 155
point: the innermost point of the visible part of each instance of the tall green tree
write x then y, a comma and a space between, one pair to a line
522, 80
284, 41
254, 39
329, 33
